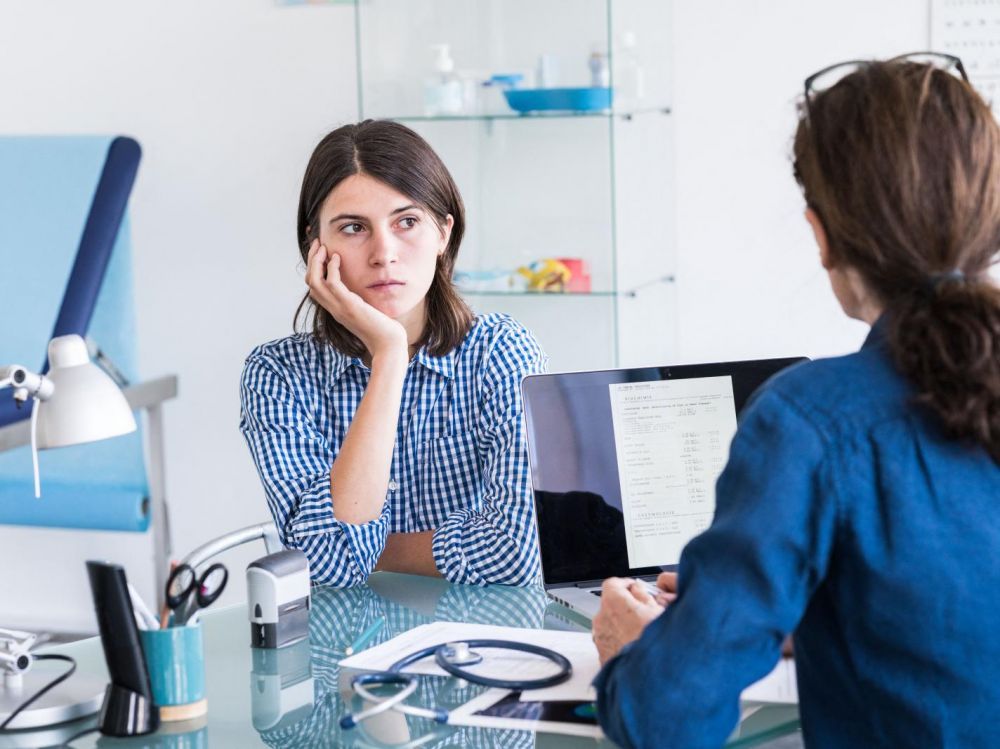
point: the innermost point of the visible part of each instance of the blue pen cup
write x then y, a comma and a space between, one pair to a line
175, 657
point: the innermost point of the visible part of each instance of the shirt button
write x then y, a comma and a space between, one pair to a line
392, 485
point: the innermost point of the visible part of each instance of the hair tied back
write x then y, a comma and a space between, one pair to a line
936, 280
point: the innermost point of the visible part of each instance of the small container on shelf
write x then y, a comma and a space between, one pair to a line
492, 92
591, 99
497, 280
443, 89
564, 274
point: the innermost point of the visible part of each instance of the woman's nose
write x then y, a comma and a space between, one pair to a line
383, 250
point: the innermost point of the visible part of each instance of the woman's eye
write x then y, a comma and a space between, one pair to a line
352, 228
408, 222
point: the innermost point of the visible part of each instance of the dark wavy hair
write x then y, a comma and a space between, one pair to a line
393, 154
901, 162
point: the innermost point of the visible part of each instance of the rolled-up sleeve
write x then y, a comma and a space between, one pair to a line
495, 542
743, 585
293, 460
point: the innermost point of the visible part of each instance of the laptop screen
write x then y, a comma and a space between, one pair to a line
624, 462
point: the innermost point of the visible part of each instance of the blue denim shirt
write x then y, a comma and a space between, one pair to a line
845, 516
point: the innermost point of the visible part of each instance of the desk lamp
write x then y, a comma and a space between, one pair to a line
75, 403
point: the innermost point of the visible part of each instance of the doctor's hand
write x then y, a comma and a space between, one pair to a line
379, 333
667, 583
626, 609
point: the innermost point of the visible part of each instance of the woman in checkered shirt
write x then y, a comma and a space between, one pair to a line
389, 435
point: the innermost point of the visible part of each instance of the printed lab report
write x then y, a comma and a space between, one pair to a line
672, 441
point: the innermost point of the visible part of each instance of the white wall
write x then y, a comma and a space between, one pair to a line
749, 280
228, 98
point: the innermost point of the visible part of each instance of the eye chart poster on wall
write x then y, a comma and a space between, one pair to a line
970, 29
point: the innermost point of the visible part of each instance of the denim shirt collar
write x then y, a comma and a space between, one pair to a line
878, 334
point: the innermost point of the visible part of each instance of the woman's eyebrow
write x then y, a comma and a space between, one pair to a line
351, 216
358, 217
406, 208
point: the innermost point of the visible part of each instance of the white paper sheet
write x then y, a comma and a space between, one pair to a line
778, 686
672, 441
576, 646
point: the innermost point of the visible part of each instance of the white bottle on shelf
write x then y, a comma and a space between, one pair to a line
600, 74
630, 84
443, 93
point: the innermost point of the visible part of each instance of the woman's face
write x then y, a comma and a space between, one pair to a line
388, 246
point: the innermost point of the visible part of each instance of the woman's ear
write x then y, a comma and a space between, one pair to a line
822, 241
449, 222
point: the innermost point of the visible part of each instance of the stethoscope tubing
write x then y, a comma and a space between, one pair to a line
456, 670
408, 682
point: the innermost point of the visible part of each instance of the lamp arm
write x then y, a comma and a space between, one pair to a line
14, 656
105, 363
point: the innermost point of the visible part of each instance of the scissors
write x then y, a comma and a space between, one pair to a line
186, 592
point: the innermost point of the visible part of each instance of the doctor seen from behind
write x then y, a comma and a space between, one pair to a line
388, 435
860, 507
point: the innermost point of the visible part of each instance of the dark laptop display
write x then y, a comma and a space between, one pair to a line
665, 429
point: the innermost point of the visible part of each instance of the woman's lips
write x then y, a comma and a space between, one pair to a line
385, 285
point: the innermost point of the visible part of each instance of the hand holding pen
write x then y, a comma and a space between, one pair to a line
666, 584
663, 593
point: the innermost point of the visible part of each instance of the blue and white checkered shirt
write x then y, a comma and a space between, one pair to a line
459, 465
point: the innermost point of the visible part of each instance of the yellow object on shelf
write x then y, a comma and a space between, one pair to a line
547, 274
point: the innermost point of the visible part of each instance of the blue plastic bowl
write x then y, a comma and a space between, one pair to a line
558, 99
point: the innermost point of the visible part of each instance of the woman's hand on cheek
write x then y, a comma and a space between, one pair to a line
379, 333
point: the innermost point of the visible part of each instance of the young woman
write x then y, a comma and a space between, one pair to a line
860, 508
390, 437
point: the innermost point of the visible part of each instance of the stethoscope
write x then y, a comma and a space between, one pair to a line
454, 658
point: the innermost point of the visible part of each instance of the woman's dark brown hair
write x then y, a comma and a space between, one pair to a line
397, 156
901, 162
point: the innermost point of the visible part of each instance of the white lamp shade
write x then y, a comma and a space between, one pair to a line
86, 404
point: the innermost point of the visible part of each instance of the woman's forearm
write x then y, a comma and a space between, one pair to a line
409, 552
360, 473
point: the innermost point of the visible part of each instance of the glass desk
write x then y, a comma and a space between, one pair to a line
295, 696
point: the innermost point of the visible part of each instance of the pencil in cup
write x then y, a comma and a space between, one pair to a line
365, 637
165, 610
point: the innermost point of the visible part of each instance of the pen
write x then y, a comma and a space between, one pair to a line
165, 611
142, 610
365, 637
662, 597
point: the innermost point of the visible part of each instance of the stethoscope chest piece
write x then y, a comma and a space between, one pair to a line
460, 654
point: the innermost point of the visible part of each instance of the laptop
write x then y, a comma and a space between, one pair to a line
624, 464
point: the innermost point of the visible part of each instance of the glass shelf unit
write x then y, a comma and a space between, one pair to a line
590, 185
523, 116
552, 295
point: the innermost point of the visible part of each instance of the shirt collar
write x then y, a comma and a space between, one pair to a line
339, 362
877, 335
443, 365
